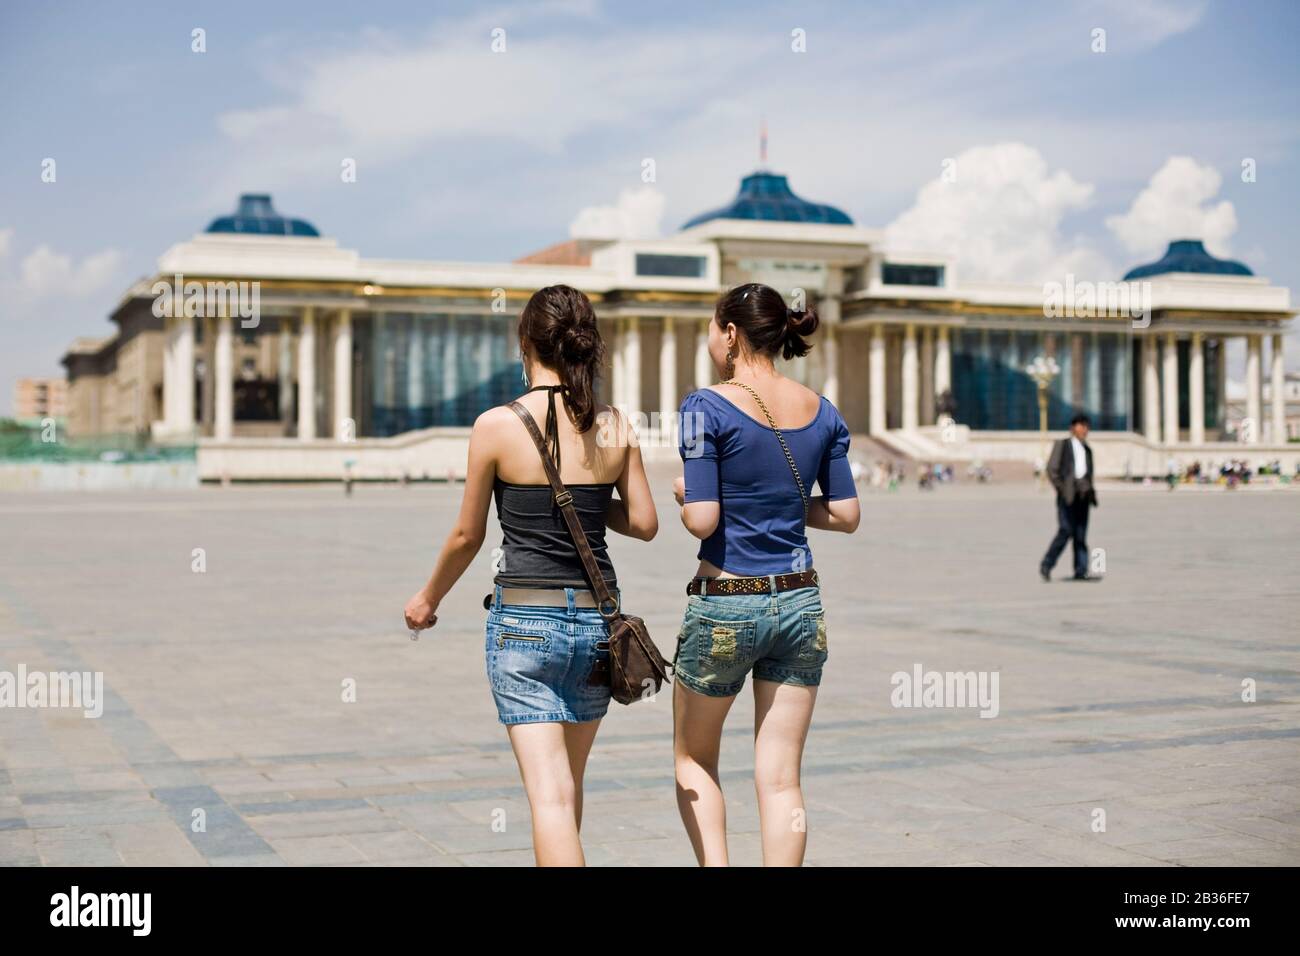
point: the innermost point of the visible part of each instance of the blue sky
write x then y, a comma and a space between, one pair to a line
466, 154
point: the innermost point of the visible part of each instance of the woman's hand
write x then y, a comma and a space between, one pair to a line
679, 489
419, 612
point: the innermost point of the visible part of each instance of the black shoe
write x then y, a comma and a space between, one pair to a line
1045, 573
1085, 577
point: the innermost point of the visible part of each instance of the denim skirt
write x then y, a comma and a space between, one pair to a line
547, 664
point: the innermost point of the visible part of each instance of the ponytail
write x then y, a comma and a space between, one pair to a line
559, 327
798, 326
768, 327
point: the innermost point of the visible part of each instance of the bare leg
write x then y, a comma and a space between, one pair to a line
578, 739
697, 738
782, 713
552, 796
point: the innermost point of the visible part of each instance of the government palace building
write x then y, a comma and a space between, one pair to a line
282, 355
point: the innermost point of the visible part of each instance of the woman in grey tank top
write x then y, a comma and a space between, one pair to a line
546, 645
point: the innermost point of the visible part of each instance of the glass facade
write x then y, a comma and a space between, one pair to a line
893, 273
993, 392
422, 370
686, 267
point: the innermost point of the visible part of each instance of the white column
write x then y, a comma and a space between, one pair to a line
450, 360
1150, 391
485, 342
183, 374
208, 413
1253, 412
307, 375
828, 308
168, 410
703, 364
284, 372
343, 425
667, 377
1278, 387
618, 386
942, 363
911, 392
1171, 389
1220, 396
831, 358
632, 364
927, 375
415, 364
170, 418
1196, 389
225, 379
876, 369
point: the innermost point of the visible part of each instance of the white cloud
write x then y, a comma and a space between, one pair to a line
1177, 204
638, 214
583, 94
96, 271
1139, 26
44, 272
386, 97
1001, 218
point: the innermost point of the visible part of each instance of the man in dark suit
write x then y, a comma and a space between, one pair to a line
1070, 471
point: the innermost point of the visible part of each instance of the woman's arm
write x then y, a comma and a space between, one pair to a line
700, 518
633, 513
467, 534
841, 515
700, 449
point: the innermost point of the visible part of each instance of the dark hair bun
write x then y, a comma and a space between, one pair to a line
802, 323
769, 327
558, 326
577, 342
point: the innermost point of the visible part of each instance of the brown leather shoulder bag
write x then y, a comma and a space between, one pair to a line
636, 668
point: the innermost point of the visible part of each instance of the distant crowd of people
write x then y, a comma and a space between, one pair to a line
891, 475
1229, 473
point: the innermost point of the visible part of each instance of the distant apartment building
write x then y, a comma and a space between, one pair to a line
39, 398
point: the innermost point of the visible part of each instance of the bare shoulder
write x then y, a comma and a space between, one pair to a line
805, 394
612, 427
494, 423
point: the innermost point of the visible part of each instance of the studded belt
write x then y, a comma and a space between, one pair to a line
768, 584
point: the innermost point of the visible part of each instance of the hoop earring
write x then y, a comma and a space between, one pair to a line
729, 370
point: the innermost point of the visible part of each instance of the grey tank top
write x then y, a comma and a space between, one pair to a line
537, 551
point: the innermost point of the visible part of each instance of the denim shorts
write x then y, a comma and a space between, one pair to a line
780, 637
547, 663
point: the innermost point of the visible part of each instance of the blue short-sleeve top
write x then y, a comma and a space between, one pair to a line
736, 460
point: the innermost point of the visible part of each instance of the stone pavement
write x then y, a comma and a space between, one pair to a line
225, 689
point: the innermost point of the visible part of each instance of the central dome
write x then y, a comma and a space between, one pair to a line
256, 216
767, 196
1188, 255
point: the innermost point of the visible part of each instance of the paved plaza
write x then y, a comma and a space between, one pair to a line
225, 690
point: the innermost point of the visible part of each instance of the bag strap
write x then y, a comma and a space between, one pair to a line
604, 598
781, 438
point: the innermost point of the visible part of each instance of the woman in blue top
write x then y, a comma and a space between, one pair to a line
751, 449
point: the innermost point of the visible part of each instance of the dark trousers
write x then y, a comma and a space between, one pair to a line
1072, 522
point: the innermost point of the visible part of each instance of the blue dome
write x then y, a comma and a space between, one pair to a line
1188, 255
767, 196
256, 216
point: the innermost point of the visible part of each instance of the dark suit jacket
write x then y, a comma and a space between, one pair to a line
1060, 471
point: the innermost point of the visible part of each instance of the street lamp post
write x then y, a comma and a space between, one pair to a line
1043, 370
